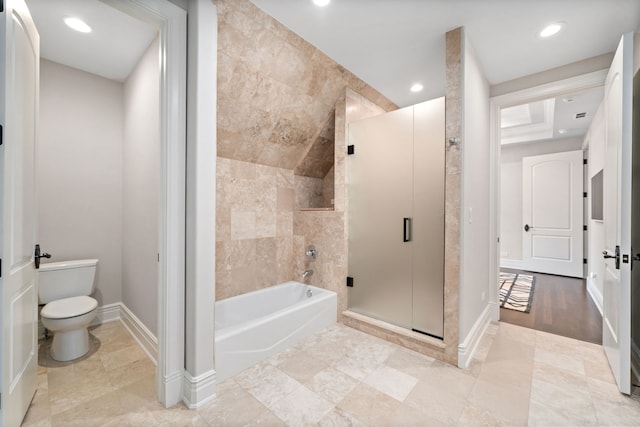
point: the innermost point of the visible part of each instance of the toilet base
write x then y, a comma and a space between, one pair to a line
70, 345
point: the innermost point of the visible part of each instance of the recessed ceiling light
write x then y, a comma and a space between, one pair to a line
77, 24
321, 3
551, 29
417, 87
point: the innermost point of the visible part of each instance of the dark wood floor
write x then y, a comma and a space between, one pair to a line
561, 306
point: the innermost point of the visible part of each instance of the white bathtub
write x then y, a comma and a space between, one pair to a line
256, 325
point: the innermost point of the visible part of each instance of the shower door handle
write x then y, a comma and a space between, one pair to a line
406, 229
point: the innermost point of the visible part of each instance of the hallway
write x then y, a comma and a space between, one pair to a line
561, 306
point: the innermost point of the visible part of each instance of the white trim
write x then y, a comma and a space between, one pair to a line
594, 293
107, 313
574, 84
171, 22
201, 204
494, 311
516, 264
140, 333
199, 390
635, 362
468, 347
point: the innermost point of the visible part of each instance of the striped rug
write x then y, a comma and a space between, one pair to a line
516, 291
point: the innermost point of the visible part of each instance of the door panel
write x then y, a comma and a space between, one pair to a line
396, 217
552, 213
380, 177
428, 213
18, 110
616, 316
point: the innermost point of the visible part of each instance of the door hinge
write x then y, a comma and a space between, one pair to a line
351, 149
1, 5
350, 282
1, 130
584, 227
584, 260
584, 194
0, 267
585, 161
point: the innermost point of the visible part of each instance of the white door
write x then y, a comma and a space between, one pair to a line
552, 204
616, 312
19, 53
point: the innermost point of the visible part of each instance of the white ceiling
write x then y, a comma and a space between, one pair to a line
391, 44
567, 116
111, 50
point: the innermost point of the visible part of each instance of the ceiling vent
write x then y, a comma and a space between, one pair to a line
581, 115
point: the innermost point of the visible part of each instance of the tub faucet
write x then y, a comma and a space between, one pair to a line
307, 273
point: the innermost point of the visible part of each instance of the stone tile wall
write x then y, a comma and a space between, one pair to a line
254, 226
276, 95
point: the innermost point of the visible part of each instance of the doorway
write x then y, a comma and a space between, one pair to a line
535, 129
170, 22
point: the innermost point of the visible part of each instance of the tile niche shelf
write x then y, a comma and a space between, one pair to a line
316, 209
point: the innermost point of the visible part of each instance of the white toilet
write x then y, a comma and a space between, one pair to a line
65, 288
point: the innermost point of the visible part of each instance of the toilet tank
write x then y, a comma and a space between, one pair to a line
65, 279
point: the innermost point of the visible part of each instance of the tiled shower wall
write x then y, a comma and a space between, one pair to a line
275, 95
254, 226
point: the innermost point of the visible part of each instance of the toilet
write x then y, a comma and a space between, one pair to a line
64, 287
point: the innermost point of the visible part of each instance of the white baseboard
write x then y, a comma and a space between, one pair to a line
494, 311
169, 388
199, 390
140, 333
594, 293
107, 313
635, 362
467, 348
516, 264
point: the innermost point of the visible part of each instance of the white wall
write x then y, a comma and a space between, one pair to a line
80, 171
595, 230
597, 63
141, 180
511, 192
474, 283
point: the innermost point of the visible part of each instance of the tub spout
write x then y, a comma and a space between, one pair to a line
307, 273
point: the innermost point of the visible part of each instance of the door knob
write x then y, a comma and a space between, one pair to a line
606, 255
526, 227
37, 255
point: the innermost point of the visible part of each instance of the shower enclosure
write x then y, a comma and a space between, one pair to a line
396, 217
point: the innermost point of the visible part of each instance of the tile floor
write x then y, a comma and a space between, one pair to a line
342, 377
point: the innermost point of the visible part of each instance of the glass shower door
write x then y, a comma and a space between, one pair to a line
396, 217
380, 188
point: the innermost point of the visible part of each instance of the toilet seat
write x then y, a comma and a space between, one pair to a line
69, 307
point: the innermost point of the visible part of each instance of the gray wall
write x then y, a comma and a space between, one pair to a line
474, 287
141, 178
99, 175
511, 189
80, 171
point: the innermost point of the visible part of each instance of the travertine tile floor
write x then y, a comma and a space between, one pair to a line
343, 377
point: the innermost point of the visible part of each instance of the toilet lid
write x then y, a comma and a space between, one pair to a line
69, 307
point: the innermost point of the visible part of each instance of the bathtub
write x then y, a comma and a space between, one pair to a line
253, 326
